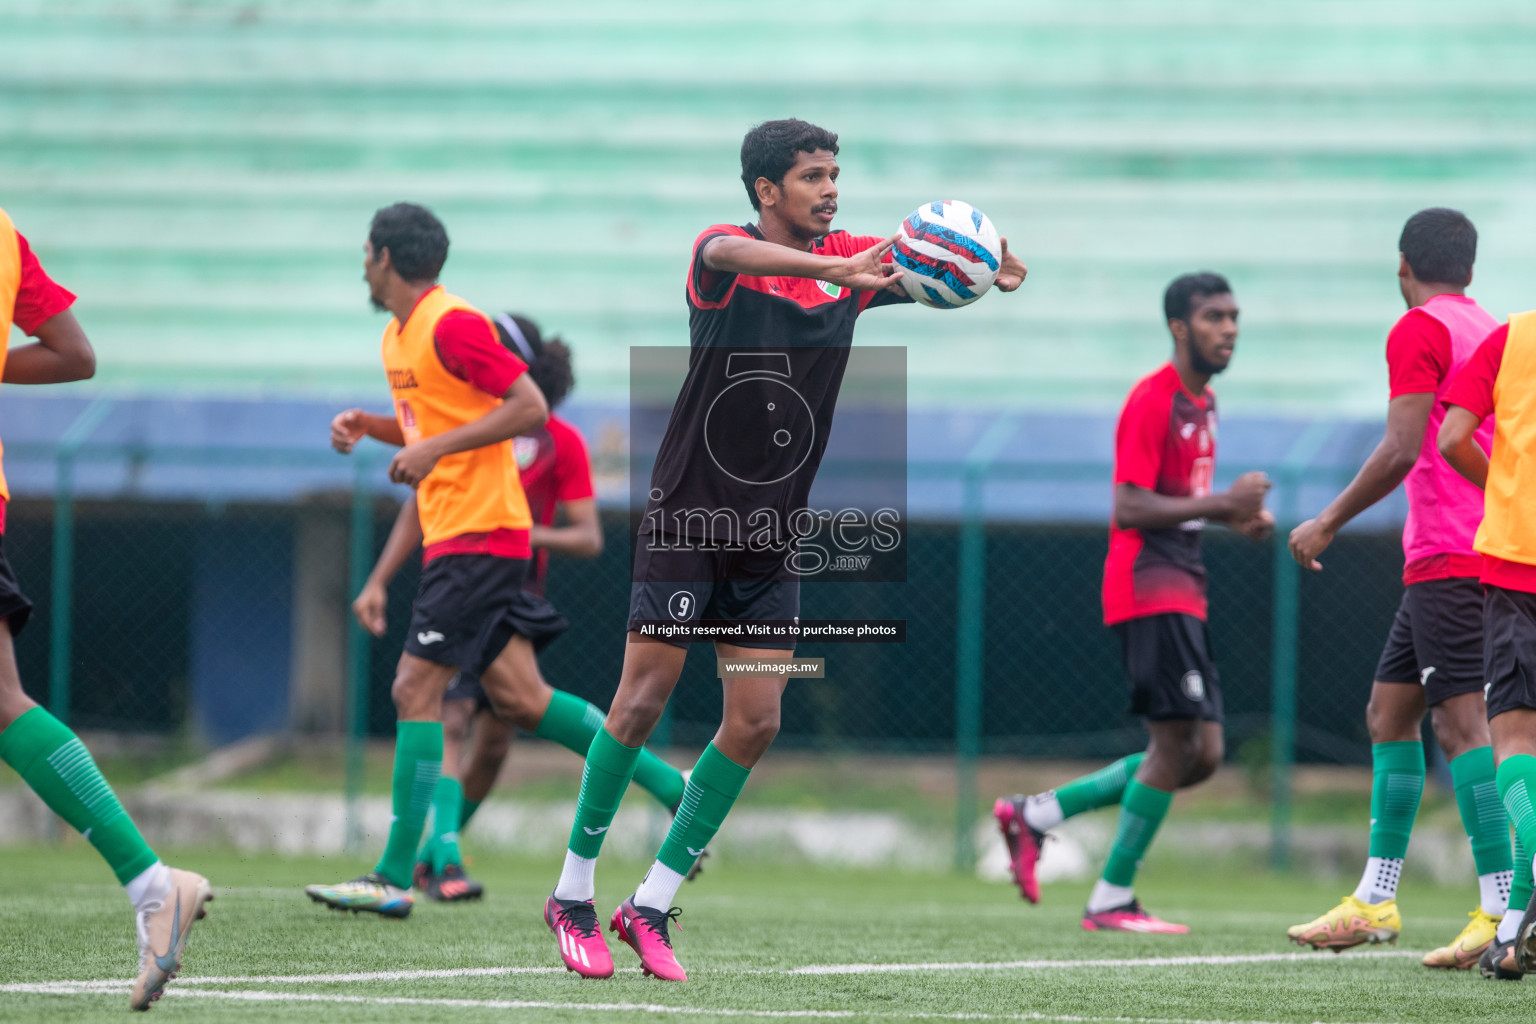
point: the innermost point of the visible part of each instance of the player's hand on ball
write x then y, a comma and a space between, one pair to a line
1309, 540
1260, 527
1011, 270
369, 607
1246, 496
412, 463
347, 429
867, 271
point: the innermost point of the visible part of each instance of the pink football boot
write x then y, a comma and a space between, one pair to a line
1130, 918
1024, 842
645, 929
574, 923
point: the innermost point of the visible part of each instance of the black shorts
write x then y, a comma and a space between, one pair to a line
532, 617
15, 609
1437, 639
1509, 654
1168, 662
460, 617
683, 584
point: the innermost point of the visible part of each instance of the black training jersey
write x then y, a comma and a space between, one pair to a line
749, 427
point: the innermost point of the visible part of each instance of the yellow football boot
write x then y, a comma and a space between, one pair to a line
1462, 954
1351, 923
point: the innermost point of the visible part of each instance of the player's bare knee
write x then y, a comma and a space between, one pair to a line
633, 716
754, 730
1457, 730
1393, 717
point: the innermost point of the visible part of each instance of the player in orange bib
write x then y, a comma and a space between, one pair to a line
553, 469
460, 398
42, 750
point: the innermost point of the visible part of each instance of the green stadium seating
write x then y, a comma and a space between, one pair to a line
203, 173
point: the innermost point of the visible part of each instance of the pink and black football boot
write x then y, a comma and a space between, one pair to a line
1130, 918
453, 885
645, 929
574, 923
1024, 842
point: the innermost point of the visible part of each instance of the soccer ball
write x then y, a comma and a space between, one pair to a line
947, 254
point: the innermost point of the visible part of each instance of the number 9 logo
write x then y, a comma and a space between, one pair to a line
680, 605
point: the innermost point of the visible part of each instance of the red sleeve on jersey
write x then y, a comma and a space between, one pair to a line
711, 289
469, 349
1418, 354
1142, 436
1472, 388
573, 466
39, 297
840, 243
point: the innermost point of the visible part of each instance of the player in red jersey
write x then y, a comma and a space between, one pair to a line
1154, 598
791, 287
1433, 657
556, 475
50, 758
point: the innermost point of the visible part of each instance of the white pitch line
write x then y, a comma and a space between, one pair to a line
1149, 961
684, 1011
115, 985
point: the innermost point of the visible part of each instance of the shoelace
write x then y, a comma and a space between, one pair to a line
580, 917
657, 920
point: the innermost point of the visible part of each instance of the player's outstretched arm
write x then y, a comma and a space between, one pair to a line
351, 426
1137, 508
61, 353
1387, 466
864, 271
1460, 447
522, 409
404, 539
580, 537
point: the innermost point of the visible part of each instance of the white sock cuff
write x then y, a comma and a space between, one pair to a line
1106, 896
1493, 892
149, 885
1043, 812
577, 878
1379, 881
659, 887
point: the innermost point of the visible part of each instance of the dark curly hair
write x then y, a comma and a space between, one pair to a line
549, 362
416, 240
1440, 246
1181, 293
769, 151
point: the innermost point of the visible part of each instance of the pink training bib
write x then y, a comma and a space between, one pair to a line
1444, 510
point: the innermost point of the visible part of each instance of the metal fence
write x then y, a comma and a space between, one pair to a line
217, 617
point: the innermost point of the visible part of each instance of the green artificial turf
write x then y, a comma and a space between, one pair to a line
743, 930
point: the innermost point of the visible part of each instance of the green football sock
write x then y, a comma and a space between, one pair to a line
467, 811
1142, 810
610, 766
712, 788
1523, 885
447, 801
573, 722
418, 763
1517, 788
1397, 783
54, 762
1482, 812
1100, 789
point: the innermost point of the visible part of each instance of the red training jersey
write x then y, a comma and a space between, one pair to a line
1472, 389
38, 299
555, 468
1165, 442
